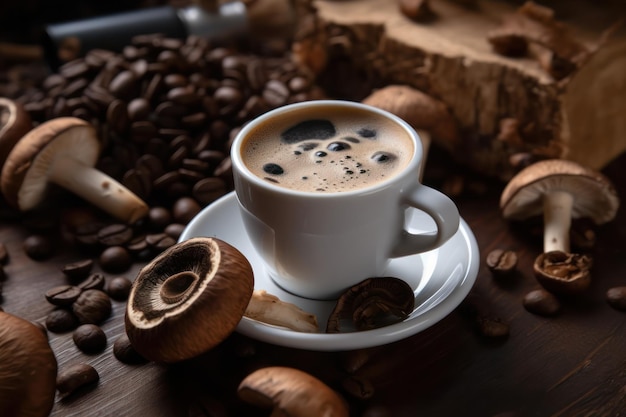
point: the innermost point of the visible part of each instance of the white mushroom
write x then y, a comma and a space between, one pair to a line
64, 151
269, 309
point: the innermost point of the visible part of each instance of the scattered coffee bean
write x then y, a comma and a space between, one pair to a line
358, 387
115, 259
616, 297
38, 247
63, 295
160, 241
159, 217
501, 262
114, 235
185, 209
541, 302
174, 230
118, 288
61, 320
94, 281
492, 327
124, 352
89, 338
78, 271
76, 376
209, 189
92, 307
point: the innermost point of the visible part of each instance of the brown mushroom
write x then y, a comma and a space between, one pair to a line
372, 303
63, 151
560, 190
291, 392
188, 299
28, 369
15, 122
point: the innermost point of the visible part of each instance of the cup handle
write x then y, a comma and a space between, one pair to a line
442, 210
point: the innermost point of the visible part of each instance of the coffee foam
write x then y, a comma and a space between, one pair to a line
364, 149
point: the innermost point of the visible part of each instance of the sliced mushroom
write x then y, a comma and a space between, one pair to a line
269, 309
63, 151
560, 190
291, 392
188, 299
28, 369
15, 122
373, 303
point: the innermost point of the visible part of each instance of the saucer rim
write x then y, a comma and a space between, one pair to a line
353, 340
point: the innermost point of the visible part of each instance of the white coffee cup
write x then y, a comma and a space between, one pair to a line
316, 244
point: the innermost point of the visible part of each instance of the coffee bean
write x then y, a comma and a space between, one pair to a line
92, 282
38, 247
541, 302
616, 297
159, 241
492, 327
124, 352
358, 387
174, 230
185, 209
159, 217
76, 376
115, 259
123, 84
78, 271
89, 338
117, 116
92, 307
63, 295
115, 234
118, 288
61, 320
86, 234
501, 262
208, 190
138, 109
275, 93
139, 181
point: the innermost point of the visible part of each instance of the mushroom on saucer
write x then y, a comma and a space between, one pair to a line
560, 190
28, 369
64, 151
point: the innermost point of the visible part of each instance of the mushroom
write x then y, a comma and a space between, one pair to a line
63, 151
373, 303
291, 392
269, 309
15, 122
28, 369
188, 299
560, 190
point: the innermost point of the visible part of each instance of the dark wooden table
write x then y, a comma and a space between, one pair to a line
573, 364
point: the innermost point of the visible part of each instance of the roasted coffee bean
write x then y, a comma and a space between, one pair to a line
76, 376
137, 245
123, 84
492, 327
160, 241
159, 217
77, 271
92, 282
185, 209
89, 338
229, 100
275, 93
358, 387
92, 307
501, 262
61, 320
139, 181
151, 164
38, 247
118, 288
124, 352
63, 295
138, 109
616, 297
117, 116
174, 230
115, 259
115, 234
208, 190
541, 302
87, 234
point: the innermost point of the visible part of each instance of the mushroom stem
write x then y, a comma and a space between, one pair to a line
97, 188
557, 217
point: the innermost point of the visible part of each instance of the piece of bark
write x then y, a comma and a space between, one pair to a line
577, 118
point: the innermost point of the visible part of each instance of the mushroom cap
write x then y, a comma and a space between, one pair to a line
594, 194
188, 299
24, 175
28, 369
15, 122
560, 272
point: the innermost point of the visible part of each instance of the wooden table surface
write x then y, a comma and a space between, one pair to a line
573, 364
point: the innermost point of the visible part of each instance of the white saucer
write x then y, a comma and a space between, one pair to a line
441, 279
